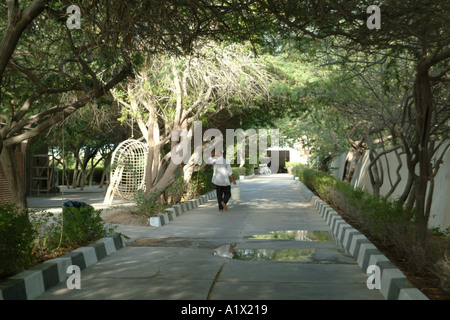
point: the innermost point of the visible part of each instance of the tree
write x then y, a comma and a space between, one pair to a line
214, 85
413, 28
50, 61
316, 124
381, 101
38, 51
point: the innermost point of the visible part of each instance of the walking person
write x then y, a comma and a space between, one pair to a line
221, 179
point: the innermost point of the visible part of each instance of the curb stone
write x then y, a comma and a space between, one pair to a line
394, 284
31, 283
176, 210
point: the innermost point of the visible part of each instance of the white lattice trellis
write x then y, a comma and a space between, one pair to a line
127, 175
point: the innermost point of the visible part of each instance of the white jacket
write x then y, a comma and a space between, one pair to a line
222, 171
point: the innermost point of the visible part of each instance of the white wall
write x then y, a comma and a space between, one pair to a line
440, 212
294, 155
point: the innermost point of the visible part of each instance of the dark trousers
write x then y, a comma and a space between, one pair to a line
223, 194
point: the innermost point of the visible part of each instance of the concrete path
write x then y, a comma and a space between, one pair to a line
190, 258
91, 195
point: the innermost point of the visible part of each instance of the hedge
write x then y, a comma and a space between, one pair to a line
374, 211
16, 240
385, 220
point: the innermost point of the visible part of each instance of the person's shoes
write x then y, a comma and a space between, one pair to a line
224, 205
220, 211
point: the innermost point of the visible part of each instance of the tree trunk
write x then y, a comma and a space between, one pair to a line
423, 102
65, 175
351, 161
75, 174
375, 168
149, 173
91, 172
12, 173
167, 179
325, 161
88, 155
105, 169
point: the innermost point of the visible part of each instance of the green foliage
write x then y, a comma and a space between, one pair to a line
26, 237
83, 225
148, 205
387, 221
48, 231
441, 232
237, 172
75, 227
246, 170
375, 211
200, 183
240, 171
296, 169
16, 240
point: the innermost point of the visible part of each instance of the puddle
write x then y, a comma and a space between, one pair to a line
303, 255
299, 235
294, 255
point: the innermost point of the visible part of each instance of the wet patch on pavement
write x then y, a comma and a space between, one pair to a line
172, 242
293, 255
299, 235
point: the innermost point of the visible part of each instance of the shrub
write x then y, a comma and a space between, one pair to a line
297, 170
201, 182
235, 173
374, 211
48, 231
27, 237
16, 240
249, 168
83, 225
148, 205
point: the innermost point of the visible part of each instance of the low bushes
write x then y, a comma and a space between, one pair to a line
386, 221
201, 183
16, 240
83, 225
27, 238
148, 206
242, 171
375, 212
156, 202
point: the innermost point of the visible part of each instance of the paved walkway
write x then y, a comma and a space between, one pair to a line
189, 258
90, 195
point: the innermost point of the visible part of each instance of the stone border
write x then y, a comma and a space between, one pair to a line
32, 282
169, 214
394, 284
176, 210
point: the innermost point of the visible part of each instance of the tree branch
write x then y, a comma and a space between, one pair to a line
58, 116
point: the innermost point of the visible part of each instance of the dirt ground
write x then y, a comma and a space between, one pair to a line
425, 281
125, 217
